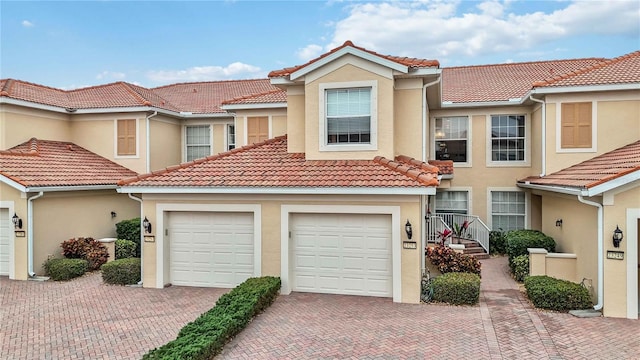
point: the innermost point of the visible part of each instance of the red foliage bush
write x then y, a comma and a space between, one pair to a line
447, 260
86, 248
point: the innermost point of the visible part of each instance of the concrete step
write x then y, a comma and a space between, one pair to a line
480, 256
473, 250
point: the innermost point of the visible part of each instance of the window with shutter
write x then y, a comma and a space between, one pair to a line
126, 139
576, 122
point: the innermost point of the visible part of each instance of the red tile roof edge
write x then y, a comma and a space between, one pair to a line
416, 170
169, 169
605, 62
348, 43
523, 63
207, 82
240, 98
33, 151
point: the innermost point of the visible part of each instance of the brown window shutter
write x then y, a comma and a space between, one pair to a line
257, 129
127, 137
576, 125
584, 118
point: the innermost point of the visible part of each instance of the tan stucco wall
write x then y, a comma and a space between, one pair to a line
615, 110
19, 124
165, 142
271, 224
295, 120
278, 125
385, 114
408, 118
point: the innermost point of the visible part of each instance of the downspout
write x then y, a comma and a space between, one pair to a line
141, 239
148, 155
30, 271
599, 305
424, 117
544, 135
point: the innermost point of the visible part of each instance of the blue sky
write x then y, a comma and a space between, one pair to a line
73, 44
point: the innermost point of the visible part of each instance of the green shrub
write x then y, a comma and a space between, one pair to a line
125, 249
205, 337
519, 240
497, 242
122, 271
456, 288
130, 230
447, 260
520, 267
88, 249
554, 294
65, 269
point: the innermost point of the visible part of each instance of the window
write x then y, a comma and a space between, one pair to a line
257, 129
508, 209
198, 142
451, 134
231, 137
452, 202
507, 138
348, 115
576, 125
126, 137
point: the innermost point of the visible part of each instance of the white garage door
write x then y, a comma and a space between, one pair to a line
5, 229
342, 254
210, 249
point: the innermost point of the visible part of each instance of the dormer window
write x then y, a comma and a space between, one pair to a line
348, 120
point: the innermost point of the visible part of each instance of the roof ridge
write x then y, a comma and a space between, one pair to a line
6, 89
141, 99
398, 165
525, 63
14, 81
209, 82
33, 149
250, 96
586, 69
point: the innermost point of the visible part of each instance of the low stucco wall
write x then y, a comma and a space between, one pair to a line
556, 265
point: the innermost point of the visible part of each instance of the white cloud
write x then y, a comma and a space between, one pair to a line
449, 29
106, 75
309, 52
236, 70
27, 23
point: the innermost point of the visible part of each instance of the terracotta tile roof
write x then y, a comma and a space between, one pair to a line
621, 70
410, 62
595, 171
44, 163
207, 97
269, 97
445, 166
197, 98
501, 82
268, 165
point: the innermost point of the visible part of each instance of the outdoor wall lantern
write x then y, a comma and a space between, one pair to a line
146, 225
408, 229
113, 214
559, 223
617, 236
17, 222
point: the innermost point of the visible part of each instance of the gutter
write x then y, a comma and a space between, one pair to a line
424, 116
141, 239
30, 233
599, 305
148, 154
544, 134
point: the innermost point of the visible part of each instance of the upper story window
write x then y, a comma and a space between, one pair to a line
576, 125
231, 137
508, 138
197, 142
452, 139
257, 129
348, 119
126, 137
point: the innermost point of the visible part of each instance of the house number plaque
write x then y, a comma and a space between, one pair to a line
617, 255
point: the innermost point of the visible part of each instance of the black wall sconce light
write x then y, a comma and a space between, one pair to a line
113, 214
17, 222
617, 236
146, 225
408, 228
559, 223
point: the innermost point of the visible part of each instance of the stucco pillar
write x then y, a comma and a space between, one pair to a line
537, 261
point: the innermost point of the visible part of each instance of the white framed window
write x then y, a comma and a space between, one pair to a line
348, 116
452, 136
197, 141
231, 137
508, 209
456, 202
509, 140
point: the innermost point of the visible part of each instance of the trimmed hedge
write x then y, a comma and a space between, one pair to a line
497, 242
447, 260
65, 269
122, 271
125, 249
520, 267
456, 288
519, 240
130, 230
206, 336
554, 294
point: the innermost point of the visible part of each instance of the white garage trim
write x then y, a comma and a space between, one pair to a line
9, 205
394, 211
161, 209
633, 297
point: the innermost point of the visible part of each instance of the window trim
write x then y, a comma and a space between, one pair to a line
594, 128
226, 136
115, 140
527, 142
527, 204
469, 161
184, 139
373, 123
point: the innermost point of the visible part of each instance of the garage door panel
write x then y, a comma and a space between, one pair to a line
211, 249
5, 229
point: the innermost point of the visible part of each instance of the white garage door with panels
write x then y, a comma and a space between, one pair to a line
341, 254
5, 230
211, 249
